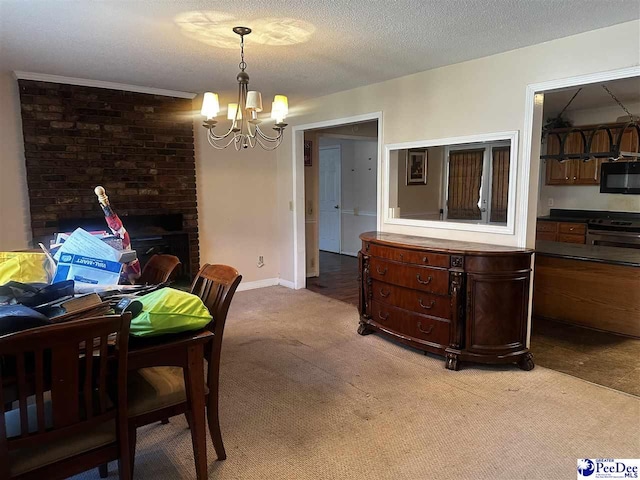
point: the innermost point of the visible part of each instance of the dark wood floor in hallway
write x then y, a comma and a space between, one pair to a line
338, 277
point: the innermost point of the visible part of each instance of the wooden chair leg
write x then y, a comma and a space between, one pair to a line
194, 383
213, 417
164, 421
103, 470
188, 418
132, 448
214, 426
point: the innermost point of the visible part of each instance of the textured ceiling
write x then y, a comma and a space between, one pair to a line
344, 44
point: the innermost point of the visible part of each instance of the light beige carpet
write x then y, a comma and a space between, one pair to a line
303, 396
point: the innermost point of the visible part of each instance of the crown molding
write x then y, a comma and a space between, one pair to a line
44, 77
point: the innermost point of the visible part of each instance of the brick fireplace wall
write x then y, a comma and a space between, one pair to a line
138, 146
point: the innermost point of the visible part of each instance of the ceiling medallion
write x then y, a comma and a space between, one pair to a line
245, 130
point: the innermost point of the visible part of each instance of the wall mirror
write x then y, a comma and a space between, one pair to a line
462, 183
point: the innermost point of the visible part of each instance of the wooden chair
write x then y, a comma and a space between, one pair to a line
74, 421
158, 393
159, 269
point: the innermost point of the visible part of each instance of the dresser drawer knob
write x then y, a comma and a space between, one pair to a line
427, 331
383, 317
381, 272
423, 282
426, 307
384, 294
425, 259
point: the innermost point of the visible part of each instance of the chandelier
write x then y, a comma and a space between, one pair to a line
245, 129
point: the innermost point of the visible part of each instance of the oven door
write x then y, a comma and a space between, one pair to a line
613, 239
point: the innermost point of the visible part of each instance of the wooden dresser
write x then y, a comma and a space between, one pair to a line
465, 301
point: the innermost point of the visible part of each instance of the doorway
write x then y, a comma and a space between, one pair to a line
341, 195
581, 302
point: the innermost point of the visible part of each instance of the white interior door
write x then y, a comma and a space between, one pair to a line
330, 199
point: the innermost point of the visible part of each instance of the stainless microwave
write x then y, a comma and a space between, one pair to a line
620, 177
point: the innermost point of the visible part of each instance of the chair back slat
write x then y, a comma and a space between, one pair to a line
64, 376
102, 381
88, 377
39, 367
58, 378
22, 393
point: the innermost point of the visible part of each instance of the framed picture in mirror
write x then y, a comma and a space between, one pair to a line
417, 167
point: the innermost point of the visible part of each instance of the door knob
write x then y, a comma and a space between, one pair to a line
337, 206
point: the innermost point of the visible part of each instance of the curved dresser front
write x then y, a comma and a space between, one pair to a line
466, 301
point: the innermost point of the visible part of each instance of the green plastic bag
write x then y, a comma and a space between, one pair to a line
169, 311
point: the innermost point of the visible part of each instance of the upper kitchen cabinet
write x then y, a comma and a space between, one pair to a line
578, 171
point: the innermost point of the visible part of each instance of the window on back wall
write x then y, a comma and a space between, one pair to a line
477, 183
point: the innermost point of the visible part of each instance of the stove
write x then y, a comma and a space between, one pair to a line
614, 232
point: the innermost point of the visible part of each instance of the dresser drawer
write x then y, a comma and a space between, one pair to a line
411, 324
412, 300
573, 228
421, 278
410, 256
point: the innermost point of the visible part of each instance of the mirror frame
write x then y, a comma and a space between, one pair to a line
508, 229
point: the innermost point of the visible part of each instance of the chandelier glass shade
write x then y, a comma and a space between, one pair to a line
244, 131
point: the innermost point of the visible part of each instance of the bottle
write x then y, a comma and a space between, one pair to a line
132, 269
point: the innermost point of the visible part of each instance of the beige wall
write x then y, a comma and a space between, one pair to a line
15, 229
584, 197
236, 206
478, 96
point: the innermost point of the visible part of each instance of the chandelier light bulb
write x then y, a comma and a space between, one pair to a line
254, 101
232, 109
210, 105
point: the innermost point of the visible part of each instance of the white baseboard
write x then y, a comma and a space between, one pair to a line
267, 282
286, 283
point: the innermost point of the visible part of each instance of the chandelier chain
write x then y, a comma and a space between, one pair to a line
618, 101
242, 64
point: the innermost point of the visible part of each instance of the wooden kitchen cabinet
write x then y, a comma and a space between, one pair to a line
566, 232
577, 171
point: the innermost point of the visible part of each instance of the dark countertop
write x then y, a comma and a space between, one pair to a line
549, 218
583, 216
590, 253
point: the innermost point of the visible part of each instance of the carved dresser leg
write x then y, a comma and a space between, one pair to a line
452, 362
364, 329
526, 362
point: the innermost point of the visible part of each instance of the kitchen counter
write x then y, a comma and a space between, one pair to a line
549, 218
590, 253
583, 216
